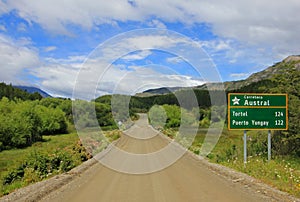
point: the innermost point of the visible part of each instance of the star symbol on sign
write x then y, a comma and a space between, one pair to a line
236, 101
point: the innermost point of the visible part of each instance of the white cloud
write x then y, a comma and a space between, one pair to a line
175, 60
140, 79
50, 48
22, 27
138, 45
24, 41
77, 59
137, 55
57, 79
236, 76
55, 15
2, 28
129, 81
247, 30
3, 8
15, 58
153, 41
58, 76
98, 78
237, 53
20, 63
217, 45
258, 22
157, 24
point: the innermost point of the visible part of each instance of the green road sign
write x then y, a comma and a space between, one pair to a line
248, 111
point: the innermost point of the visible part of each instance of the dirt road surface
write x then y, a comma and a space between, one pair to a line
185, 180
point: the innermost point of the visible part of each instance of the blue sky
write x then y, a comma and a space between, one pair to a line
47, 43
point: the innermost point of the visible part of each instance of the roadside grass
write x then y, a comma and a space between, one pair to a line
67, 145
11, 159
282, 172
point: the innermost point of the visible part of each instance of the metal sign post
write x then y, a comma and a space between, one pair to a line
269, 145
245, 147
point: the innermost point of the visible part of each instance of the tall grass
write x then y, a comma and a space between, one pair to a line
53, 155
11, 160
282, 172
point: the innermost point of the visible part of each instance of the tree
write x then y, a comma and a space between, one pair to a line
157, 116
52, 120
15, 93
84, 114
104, 115
24, 122
19, 124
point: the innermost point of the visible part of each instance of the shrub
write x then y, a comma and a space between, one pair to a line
13, 175
40, 165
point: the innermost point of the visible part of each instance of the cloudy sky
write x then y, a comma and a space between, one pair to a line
52, 44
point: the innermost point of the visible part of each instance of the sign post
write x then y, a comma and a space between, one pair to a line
256, 111
269, 145
245, 147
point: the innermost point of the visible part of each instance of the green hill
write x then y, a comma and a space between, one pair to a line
12, 92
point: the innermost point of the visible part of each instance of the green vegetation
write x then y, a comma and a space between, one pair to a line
34, 143
55, 154
11, 92
44, 159
172, 116
157, 116
288, 142
286, 80
282, 172
28, 154
139, 104
24, 122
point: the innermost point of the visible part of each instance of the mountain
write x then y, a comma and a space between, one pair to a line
261, 76
32, 90
159, 91
265, 74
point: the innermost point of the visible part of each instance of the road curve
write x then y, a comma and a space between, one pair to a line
185, 180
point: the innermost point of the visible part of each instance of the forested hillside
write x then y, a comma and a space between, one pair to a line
32, 90
12, 92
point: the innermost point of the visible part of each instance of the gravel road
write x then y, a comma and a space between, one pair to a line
189, 178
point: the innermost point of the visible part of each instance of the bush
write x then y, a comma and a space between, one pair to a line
52, 120
24, 122
19, 124
13, 175
40, 165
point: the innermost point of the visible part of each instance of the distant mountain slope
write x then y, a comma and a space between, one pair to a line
163, 90
31, 89
264, 75
159, 91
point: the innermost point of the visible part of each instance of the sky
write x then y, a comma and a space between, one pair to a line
126, 47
